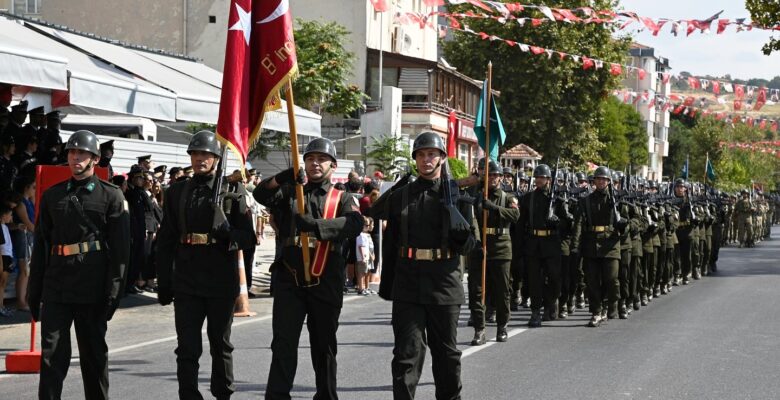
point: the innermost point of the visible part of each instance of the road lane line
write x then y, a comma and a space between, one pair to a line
473, 349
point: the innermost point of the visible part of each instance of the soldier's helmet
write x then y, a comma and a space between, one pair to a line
616, 176
652, 184
493, 168
430, 140
205, 141
83, 140
542, 170
581, 177
321, 145
522, 176
602, 172
679, 182
507, 171
744, 191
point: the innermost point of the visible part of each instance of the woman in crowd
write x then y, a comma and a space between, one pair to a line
22, 237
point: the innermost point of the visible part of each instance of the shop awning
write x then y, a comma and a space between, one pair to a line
96, 84
22, 64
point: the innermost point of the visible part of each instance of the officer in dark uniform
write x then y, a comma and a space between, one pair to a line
15, 122
50, 141
173, 175
188, 173
159, 172
599, 226
543, 245
37, 123
106, 154
8, 170
201, 239
25, 156
139, 204
78, 270
145, 162
421, 274
502, 209
319, 300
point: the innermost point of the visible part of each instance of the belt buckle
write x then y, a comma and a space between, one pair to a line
423, 254
199, 238
599, 229
83, 247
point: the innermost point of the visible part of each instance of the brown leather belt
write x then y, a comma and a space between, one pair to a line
599, 229
296, 241
426, 254
542, 233
197, 239
75, 249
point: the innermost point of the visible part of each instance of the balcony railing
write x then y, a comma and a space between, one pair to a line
423, 106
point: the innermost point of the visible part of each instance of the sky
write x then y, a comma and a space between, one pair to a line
732, 52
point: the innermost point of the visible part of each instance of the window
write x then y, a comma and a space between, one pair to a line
463, 153
212, 19
31, 6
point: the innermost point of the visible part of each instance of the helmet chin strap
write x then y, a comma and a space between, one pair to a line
89, 166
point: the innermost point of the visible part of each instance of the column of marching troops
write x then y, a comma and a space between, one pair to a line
555, 244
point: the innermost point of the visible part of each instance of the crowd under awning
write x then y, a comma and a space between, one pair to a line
102, 75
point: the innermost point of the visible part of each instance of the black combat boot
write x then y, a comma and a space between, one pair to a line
490, 315
501, 335
479, 337
612, 311
622, 312
536, 319
595, 320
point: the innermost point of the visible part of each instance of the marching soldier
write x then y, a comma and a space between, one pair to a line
78, 270
421, 274
685, 229
744, 212
502, 209
201, 238
599, 226
543, 246
332, 217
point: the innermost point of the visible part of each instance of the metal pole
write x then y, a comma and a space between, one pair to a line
381, 47
486, 120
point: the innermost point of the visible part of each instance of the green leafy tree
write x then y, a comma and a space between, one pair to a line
621, 129
680, 143
324, 65
551, 104
389, 154
765, 13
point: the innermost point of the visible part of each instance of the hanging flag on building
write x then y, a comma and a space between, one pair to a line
452, 135
497, 134
259, 59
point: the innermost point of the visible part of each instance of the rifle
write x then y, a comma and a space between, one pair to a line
552, 190
450, 197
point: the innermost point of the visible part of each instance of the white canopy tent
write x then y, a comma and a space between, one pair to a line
23, 64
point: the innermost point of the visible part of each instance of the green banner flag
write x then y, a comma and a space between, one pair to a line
497, 134
710, 170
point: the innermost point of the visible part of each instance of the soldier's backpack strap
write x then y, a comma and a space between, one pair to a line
322, 250
87, 220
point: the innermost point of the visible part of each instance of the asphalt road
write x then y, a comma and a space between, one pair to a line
716, 338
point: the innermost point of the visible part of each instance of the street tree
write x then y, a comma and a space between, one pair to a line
550, 104
765, 13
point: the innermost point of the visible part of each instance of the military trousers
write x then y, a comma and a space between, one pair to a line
570, 278
91, 326
544, 280
649, 260
668, 265
686, 255
416, 327
706, 248
293, 305
625, 274
717, 239
517, 271
190, 313
745, 228
249, 264
602, 275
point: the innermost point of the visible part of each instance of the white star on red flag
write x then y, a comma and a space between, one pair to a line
243, 24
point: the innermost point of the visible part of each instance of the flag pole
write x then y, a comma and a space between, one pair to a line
486, 121
706, 164
288, 94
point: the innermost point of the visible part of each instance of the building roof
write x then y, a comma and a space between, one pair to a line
521, 152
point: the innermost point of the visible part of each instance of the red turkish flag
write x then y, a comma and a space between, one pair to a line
762, 124
452, 134
739, 91
259, 60
615, 69
587, 63
716, 87
760, 99
379, 5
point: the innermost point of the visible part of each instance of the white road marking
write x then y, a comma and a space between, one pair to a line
473, 349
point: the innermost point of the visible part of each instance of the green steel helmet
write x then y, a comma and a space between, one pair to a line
205, 141
522, 176
83, 140
560, 175
581, 177
542, 170
679, 182
507, 171
652, 184
321, 145
493, 168
430, 140
616, 176
602, 172
744, 192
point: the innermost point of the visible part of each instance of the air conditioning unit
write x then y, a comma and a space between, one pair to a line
403, 41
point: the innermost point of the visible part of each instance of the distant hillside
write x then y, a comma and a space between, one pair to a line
724, 102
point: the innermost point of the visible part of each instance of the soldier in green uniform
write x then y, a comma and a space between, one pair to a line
671, 263
421, 274
599, 227
541, 218
744, 211
685, 230
502, 212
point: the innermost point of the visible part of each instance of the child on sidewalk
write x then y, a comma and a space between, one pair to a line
6, 251
364, 252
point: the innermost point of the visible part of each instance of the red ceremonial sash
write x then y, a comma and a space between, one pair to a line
322, 249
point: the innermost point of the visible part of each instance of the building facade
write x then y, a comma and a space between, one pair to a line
656, 120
